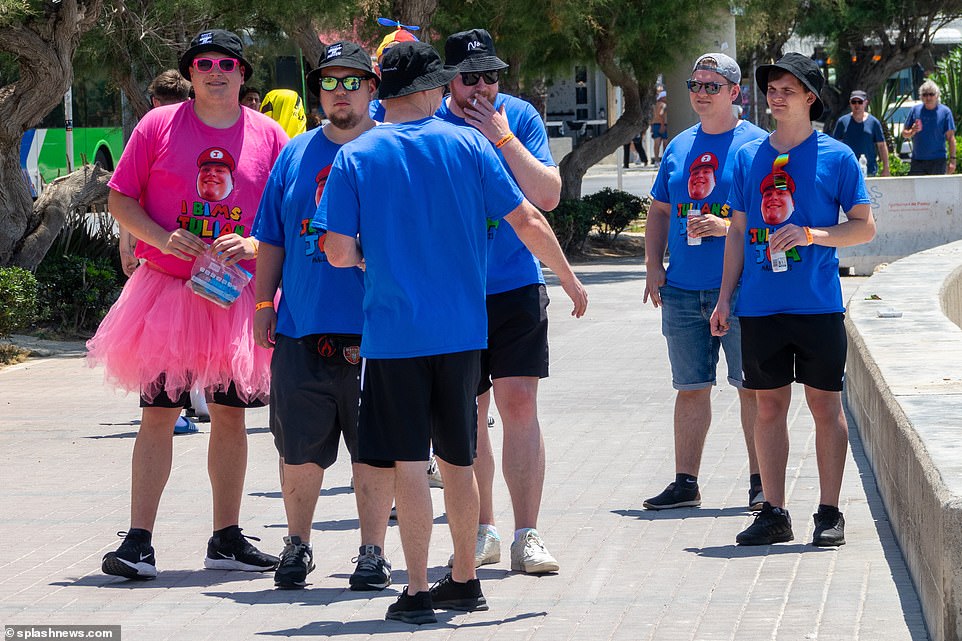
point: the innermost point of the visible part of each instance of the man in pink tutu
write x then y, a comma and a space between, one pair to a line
160, 338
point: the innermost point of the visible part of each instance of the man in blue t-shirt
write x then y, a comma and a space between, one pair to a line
412, 200
517, 301
863, 132
689, 216
786, 193
930, 127
316, 331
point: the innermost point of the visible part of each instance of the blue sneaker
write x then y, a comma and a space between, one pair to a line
184, 426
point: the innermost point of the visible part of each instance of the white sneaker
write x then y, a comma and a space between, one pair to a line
434, 474
487, 550
529, 555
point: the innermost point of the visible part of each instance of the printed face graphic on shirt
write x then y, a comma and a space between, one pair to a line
701, 176
321, 180
215, 178
778, 202
777, 206
214, 182
701, 182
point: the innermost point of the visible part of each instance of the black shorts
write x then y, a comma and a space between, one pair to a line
228, 398
408, 403
517, 335
808, 348
315, 390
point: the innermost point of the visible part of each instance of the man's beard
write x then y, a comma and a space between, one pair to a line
350, 120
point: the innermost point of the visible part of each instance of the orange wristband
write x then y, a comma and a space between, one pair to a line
501, 143
808, 236
264, 305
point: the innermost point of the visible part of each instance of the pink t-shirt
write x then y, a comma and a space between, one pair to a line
189, 175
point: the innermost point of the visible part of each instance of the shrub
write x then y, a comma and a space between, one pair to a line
897, 166
76, 292
571, 221
613, 211
18, 299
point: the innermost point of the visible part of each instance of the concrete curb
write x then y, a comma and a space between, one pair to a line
905, 391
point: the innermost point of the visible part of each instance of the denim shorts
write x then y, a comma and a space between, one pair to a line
692, 350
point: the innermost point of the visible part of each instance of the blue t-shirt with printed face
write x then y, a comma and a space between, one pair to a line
821, 176
695, 175
316, 298
862, 137
510, 264
929, 144
419, 195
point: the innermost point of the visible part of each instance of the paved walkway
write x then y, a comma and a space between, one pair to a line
626, 573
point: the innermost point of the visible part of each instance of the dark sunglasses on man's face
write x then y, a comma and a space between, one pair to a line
855, 101
350, 83
928, 95
471, 78
206, 65
711, 88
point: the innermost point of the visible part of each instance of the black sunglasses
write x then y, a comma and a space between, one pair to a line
711, 88
855, 101
471, 78
350, 83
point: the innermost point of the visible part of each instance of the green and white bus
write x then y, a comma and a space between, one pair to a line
91, 126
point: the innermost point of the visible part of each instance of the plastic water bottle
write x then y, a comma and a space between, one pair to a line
693, 240
779, 262
863, 163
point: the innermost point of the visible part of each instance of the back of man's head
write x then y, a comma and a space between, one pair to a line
169, 88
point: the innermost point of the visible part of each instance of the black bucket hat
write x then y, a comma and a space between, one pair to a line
217, 40
345, 54
803, 68
409, 67
472, 50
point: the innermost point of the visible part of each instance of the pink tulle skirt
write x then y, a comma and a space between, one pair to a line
161, 337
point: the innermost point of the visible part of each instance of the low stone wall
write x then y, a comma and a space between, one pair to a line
904, 388
912, 214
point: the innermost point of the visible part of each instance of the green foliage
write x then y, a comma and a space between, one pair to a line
571, 221
80, 275
613, 211
87, 235
18, 299
75, 291
948, 77
897, 166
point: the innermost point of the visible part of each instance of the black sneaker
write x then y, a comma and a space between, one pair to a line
416, 609
675, 496
772, 525
297, 561
134, 559
373, 571
829, 527
448, 594
233, 552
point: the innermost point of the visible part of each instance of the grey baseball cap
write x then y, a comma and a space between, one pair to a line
721, 64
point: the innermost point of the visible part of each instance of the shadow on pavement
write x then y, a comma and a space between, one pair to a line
745, 551
165, 579
378, 626
682, 513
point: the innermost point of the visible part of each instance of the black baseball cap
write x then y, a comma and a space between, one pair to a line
218, 40
472, 50
409, 67
803, 68
341, 54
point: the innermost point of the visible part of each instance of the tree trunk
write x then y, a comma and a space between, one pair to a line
414, 12
306, 37
637, 107
80, 189
43, 46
